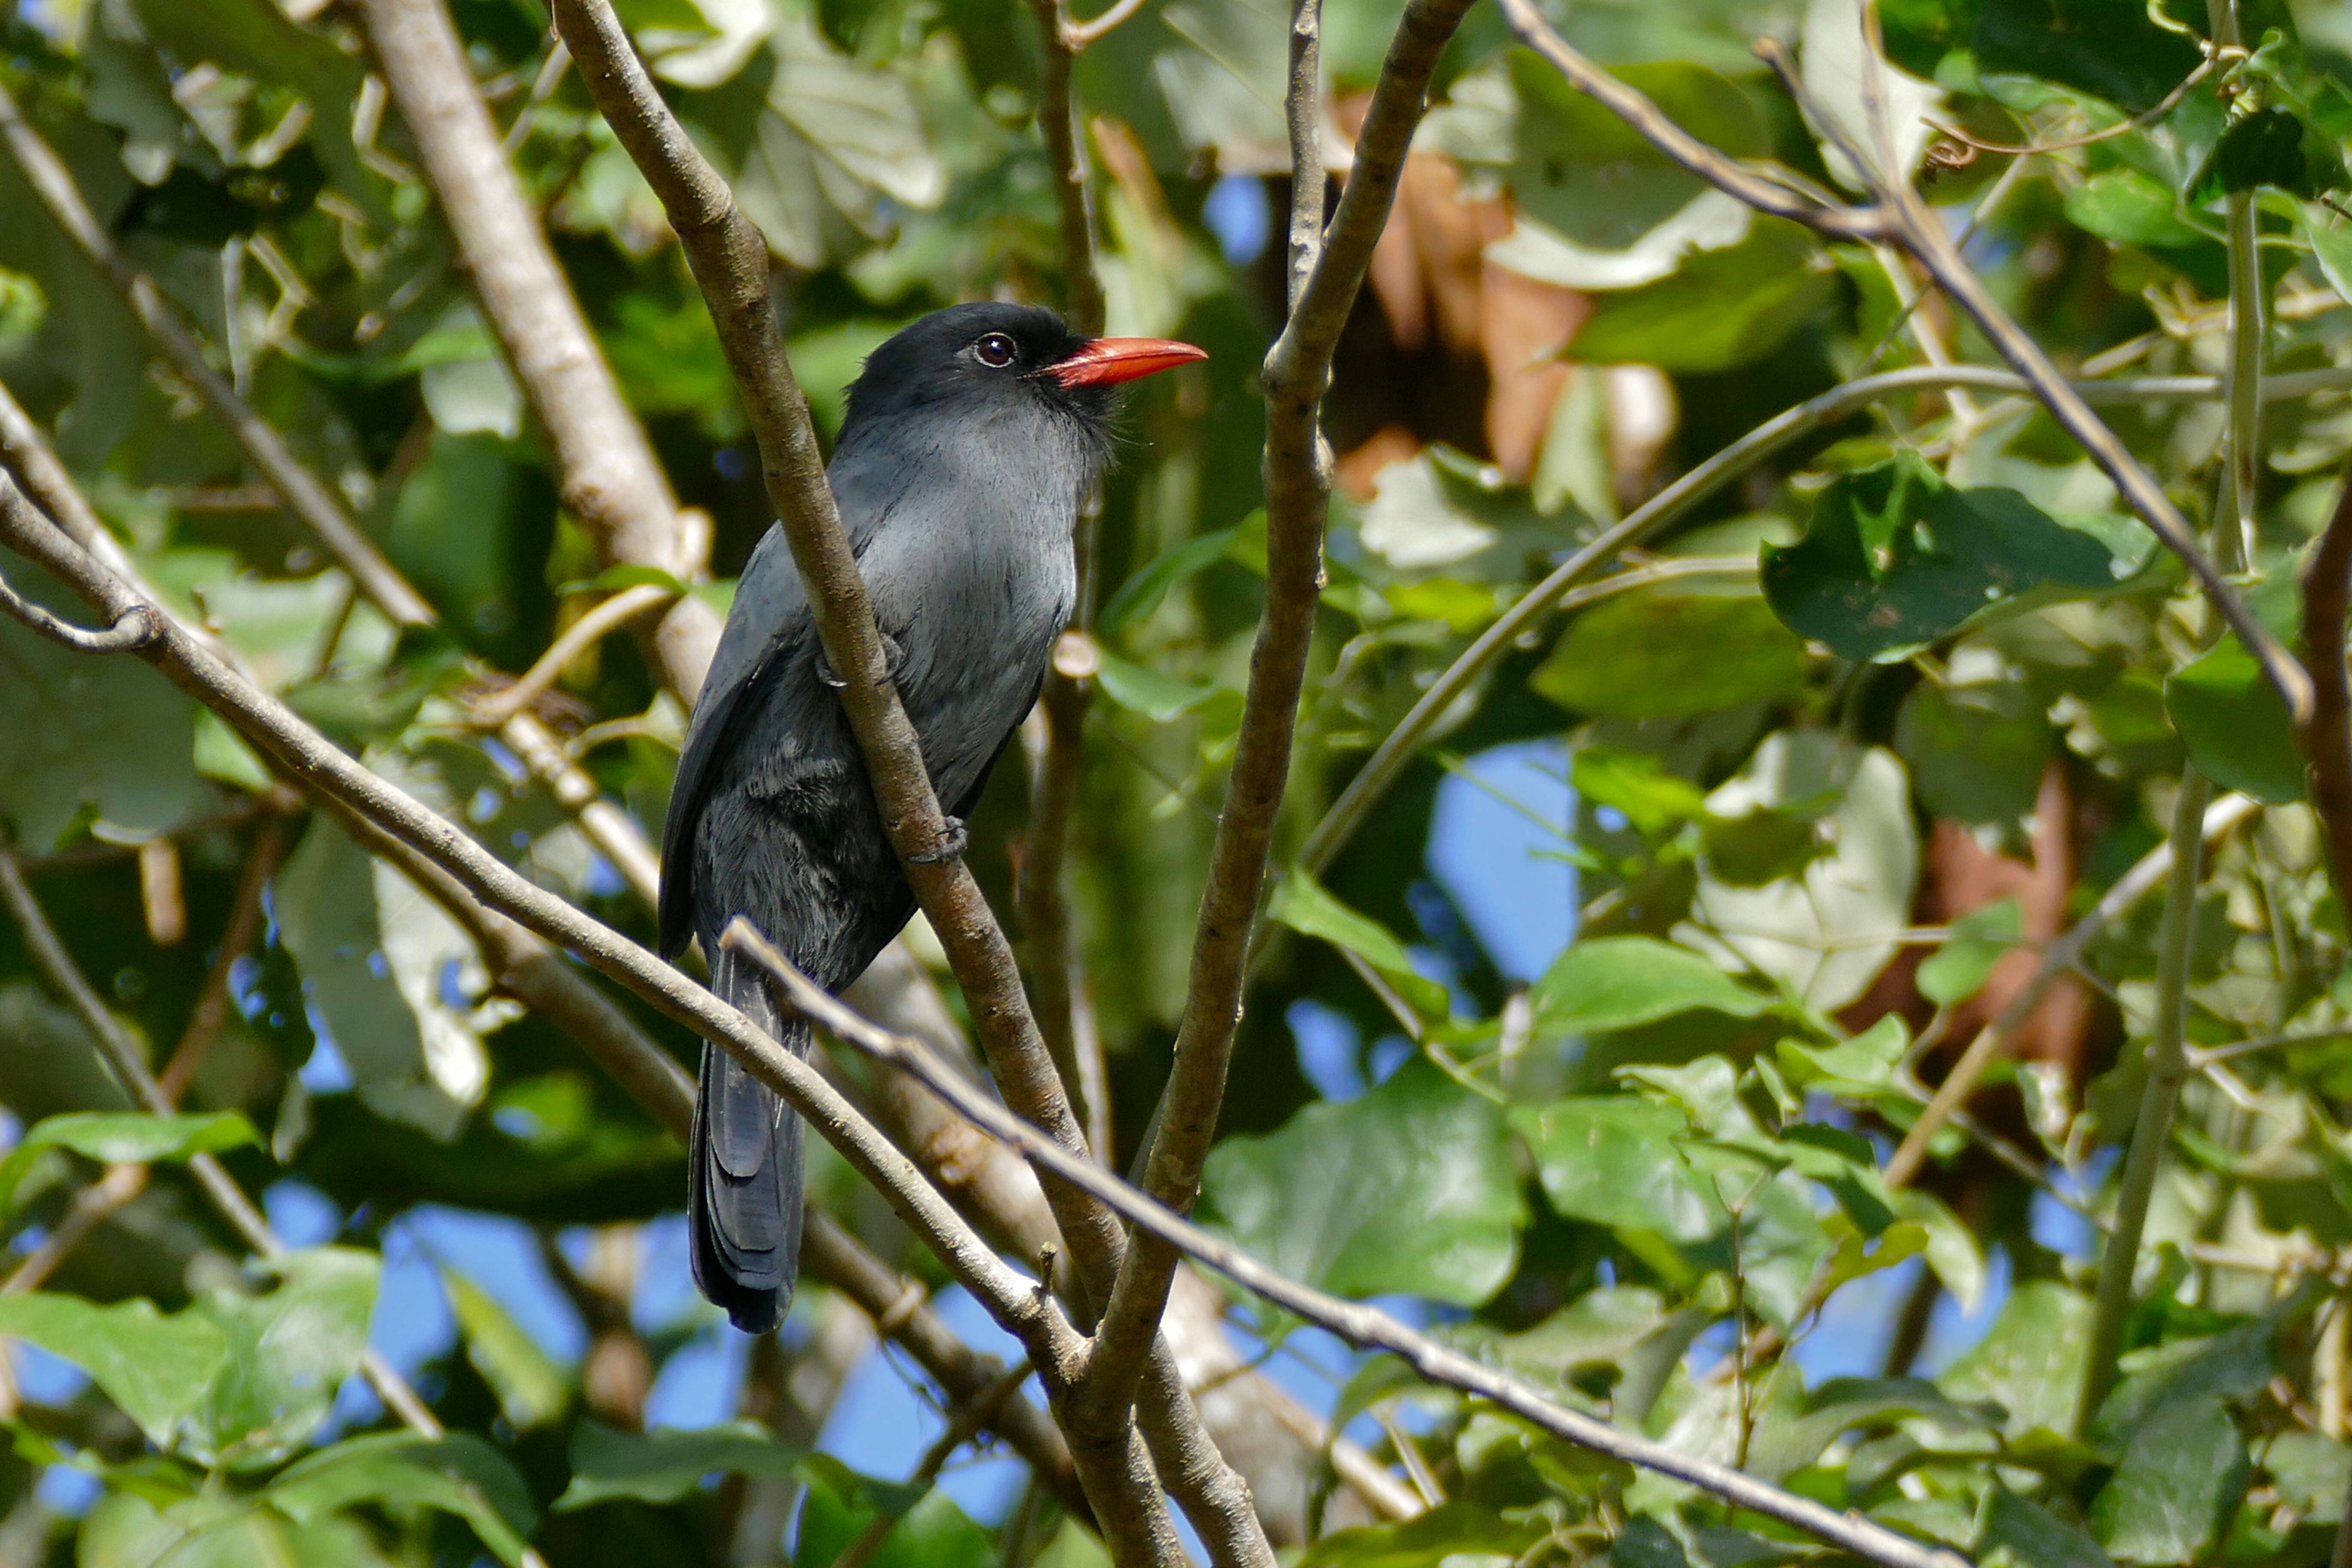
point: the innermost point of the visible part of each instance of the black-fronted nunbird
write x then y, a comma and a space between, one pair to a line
971, 439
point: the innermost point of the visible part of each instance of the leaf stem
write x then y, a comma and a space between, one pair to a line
2168, 1065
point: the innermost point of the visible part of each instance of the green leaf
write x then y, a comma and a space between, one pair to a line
1615, 982
2109, 47
933, 1533
1636, 784
288, 1351
123, 1138
1142, 592
2029, 1362
1457, 1531
459, 1474
1894, 557
1787, 1441
1156, 695
1407, 1189
2310, 1471
666, 1463
2266, 148
2022, 1534
105, 736
2235, 724
1656, 655
1977, 751
159, 1370
1589, 175
1958, 970
1720, 310
1617, 1160
2184, 1468
2129, 207
1860, 1064
2331, 246
531, 1389
1301, 904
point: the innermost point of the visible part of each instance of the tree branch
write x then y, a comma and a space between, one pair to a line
135, 628
605, 467
1326, 271
2327, 737
1361, 1326
1042, 892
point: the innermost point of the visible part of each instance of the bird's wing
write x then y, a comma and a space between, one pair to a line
770, 615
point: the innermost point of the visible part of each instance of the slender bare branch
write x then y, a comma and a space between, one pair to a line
2327, 737
1043, 891
1081, 34
53, 184
1361, 1326
1327, 269
1122, 1488
605, 467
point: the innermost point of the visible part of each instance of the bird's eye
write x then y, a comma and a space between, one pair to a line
996, 351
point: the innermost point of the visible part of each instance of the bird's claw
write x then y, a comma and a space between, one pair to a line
953, 843
892, 658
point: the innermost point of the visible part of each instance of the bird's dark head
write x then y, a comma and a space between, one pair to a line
992, 358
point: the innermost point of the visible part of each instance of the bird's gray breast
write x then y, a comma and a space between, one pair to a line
972, 576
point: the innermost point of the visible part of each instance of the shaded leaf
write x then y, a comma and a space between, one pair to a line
666, 1463
2184, 1468
1456, 1531
288, 1351
1616, 1160
1721, 310
1302, 904
1894, 557
458, 1474
2029, 1362
1651, 655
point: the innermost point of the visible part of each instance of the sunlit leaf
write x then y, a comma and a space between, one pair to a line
123, 1140
160, 1371
459, 1474
1658, 655
1408, 1188
1615, 982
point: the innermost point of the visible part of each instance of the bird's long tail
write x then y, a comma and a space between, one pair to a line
744, 1173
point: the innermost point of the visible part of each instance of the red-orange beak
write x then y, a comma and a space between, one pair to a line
1107, 362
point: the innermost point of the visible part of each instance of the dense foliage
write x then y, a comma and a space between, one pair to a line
1854, 738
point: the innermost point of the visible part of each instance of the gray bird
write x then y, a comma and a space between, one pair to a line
970, 438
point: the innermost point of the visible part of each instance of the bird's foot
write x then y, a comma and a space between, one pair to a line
953, 843
894, 659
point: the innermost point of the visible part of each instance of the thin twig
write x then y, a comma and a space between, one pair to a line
609, 615
1076, 36
215, 1003
962, 1427
2059, 957
2166, 1065
92, 1207
136, 627
302, 753
1360, 1325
